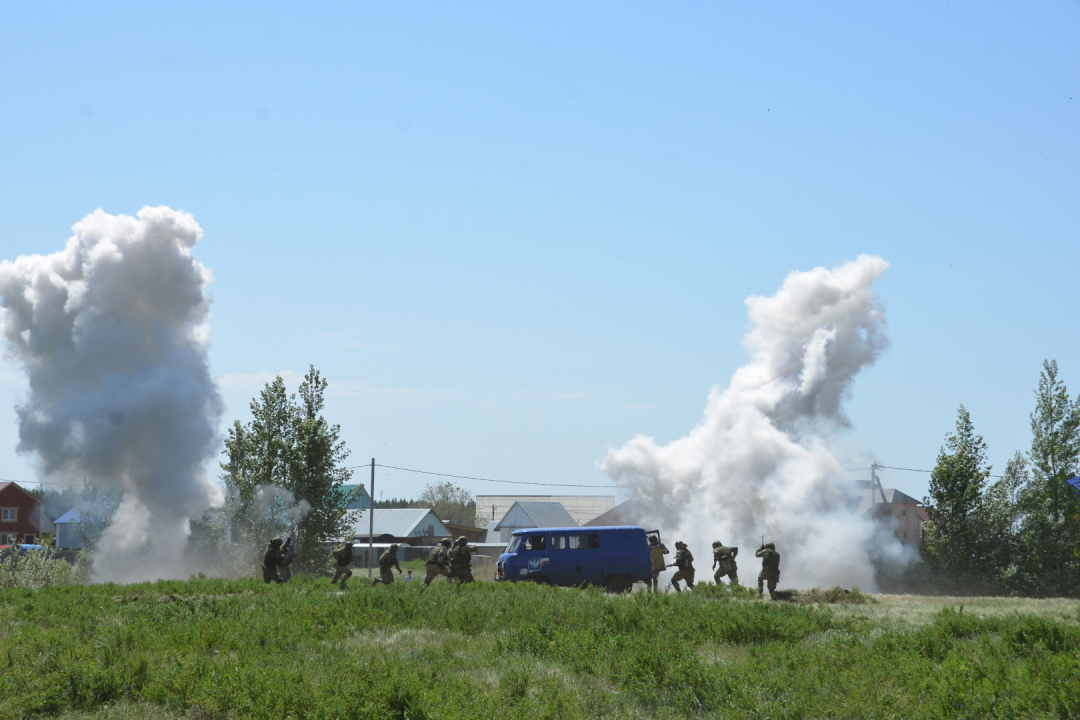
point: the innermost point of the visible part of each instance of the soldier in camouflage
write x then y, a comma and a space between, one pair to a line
387, 562
438, 562
723, 562
685, 562
657, 551
770, 569
461, 560
343, 557
271, 560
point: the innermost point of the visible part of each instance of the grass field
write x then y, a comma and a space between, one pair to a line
220, 649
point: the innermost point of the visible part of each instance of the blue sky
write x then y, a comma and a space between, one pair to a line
513, 236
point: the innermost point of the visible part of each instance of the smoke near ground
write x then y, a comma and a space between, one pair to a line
111, 334
763, 460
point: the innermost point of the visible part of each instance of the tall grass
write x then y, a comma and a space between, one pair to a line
220, 648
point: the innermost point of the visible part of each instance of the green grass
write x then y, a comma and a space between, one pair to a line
219, 648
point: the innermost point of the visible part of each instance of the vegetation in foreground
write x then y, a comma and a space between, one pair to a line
220, 648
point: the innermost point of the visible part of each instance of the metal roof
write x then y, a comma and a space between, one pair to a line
411, 522
582, 508
543, 514
71, 515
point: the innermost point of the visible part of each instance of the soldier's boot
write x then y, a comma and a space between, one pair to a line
675, 584
734, 579
689, 584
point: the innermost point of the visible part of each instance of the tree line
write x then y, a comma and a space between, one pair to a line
1020, 533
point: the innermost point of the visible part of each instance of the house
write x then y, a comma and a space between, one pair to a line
65, 530
473, 535
890, 505
582, 508
414, 526
531, 515
356, 496
22, 516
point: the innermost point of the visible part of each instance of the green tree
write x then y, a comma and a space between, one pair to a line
285, 468
1050, 532
953, 539
450, 503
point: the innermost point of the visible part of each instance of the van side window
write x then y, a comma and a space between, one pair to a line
584, 542
536, 542
558, 542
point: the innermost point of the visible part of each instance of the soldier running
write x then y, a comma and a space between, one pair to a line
287, 553
723, 562
657, 551
461, 560
438, 562
387, 562
343, 556
271, 560
770, 569
685, 562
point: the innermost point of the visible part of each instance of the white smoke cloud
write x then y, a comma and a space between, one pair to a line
763, 459
111, 333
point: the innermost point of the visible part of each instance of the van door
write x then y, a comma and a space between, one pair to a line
559, 569
583, 558
535, 559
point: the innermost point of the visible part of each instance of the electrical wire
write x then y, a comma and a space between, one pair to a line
506, 482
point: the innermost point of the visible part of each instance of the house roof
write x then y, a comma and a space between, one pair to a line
4, 486
1075, 482
582, 508
70, 516
861, 499
626, 513
399, 523
543, 514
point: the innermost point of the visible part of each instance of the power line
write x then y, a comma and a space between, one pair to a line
888, 467
506, 482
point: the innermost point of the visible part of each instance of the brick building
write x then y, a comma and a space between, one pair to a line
22, 517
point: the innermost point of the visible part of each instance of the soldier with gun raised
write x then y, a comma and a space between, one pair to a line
770, 568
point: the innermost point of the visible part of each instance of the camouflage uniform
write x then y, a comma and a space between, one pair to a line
657, 551
271, 560
770, 569
685, 562
387, 562
438, 562
461, 560
344, 557
724, 562
287, 553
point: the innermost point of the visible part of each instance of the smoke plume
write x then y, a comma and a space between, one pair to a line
111, 334
762, 462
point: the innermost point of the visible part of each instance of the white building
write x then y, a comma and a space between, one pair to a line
523, 515
582, 508
399, 525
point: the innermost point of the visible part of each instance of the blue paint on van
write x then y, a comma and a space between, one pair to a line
614, 556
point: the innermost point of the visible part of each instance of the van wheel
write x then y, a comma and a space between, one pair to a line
618, 583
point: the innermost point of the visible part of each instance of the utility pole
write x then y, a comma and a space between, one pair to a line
371, 520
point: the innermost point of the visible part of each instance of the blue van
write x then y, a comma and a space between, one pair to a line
615, 557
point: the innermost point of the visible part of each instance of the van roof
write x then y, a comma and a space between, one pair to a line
576, 530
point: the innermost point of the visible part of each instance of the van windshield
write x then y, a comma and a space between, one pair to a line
512, 546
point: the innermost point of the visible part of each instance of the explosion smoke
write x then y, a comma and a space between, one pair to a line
762, 459
111, 334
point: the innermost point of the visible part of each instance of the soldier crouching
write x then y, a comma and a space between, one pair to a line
438, 562
684, 560
343, 557
387, 562
271, 560
724, 562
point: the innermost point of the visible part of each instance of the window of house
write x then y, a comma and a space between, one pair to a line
7, 539
905, 513
8, 514
536, 542
905, 536
29, 539
558, 542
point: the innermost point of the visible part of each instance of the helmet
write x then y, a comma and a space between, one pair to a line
653, 540
717, 543
445, 542
462, 540
770, 545
680, 544
394, 546
276, 542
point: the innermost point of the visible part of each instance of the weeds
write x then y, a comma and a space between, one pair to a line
220, 648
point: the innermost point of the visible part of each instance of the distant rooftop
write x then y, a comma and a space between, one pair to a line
582, 508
